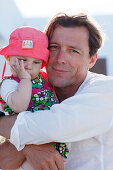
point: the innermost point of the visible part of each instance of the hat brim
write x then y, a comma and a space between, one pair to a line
14, 49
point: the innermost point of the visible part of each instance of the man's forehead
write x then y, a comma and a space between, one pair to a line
71, 36
69, 32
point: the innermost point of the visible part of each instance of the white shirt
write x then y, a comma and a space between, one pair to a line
84, 121
7, 87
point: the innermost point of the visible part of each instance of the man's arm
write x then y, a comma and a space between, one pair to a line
88, 113
6, 123
10, 158
44, 157
40, 157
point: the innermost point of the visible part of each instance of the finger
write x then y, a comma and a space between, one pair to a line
13, 68
31, 165
47, 165
46, 168
22, 66
53, 166
17, 63
21, 63
59, 162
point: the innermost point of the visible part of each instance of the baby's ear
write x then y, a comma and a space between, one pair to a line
7, 59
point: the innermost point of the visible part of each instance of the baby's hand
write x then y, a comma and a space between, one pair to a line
19, 69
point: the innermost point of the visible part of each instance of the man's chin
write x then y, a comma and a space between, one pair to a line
57, 83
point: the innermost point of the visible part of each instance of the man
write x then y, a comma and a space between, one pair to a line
84, 116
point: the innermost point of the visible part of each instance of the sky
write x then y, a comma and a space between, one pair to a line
46, 8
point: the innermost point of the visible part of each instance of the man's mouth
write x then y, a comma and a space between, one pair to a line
59, 70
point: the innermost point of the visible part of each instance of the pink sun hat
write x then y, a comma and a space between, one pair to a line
28, 42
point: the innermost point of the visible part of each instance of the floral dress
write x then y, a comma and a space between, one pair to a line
43, 97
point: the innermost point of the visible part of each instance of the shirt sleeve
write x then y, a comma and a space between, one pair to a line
87, 114
8, 87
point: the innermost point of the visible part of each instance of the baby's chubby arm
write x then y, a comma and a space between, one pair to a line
19, 100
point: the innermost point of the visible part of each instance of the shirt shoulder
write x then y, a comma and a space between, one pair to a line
97, 83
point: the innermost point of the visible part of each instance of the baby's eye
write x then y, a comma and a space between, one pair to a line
37, 62
20, 59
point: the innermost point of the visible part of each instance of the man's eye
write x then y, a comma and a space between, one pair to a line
74, 51
53, 47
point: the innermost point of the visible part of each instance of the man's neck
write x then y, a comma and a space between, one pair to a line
65, 92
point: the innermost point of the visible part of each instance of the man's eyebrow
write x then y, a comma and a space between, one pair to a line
74, 47
53, 43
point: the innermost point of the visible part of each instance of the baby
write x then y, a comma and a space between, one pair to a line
28, 87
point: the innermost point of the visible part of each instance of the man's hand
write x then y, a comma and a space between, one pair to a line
10, 158
44, 157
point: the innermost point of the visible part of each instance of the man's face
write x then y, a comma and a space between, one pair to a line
69, 58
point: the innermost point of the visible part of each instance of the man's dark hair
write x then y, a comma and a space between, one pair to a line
79, 20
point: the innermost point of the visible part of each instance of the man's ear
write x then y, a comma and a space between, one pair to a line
7, 59
93, 60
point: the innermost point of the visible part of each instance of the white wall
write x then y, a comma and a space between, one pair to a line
106, 23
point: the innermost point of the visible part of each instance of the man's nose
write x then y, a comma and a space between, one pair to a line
61, 56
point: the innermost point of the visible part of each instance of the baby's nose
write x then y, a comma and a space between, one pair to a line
28, 65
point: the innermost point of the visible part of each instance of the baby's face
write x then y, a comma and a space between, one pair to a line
31, 65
